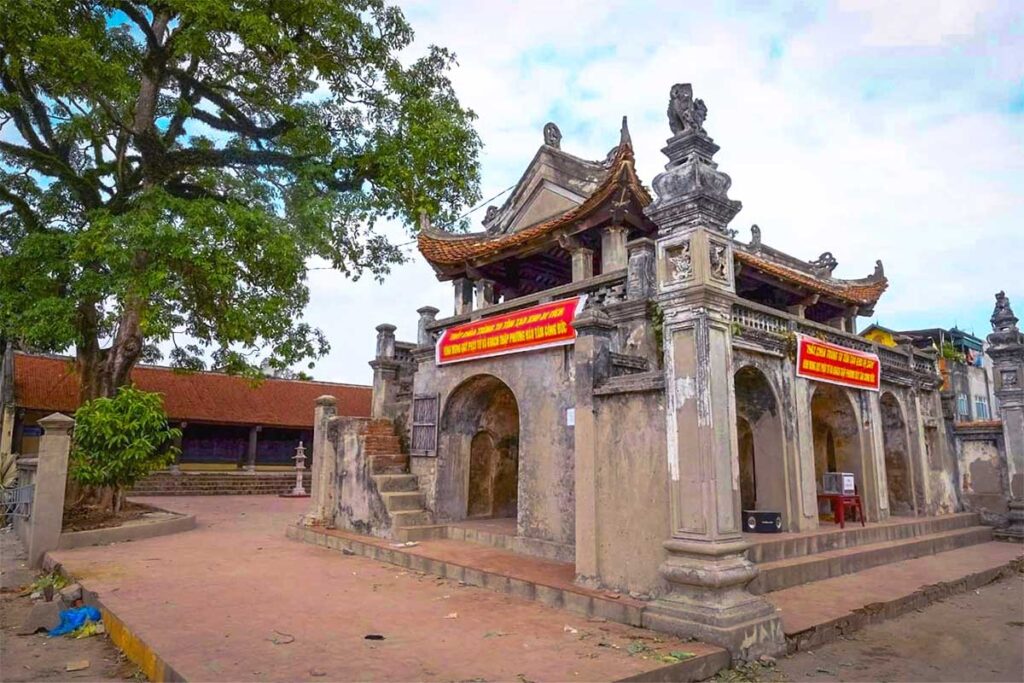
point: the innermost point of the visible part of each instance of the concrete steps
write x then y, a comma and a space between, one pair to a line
771, 548
398, 488
217, 484
796, 571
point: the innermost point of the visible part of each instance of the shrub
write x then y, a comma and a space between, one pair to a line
119, 440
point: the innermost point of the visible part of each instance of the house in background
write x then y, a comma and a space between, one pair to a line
228, 423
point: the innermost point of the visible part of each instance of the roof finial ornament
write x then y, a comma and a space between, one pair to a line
1003, 319
624, 136
755, 237
824, 264
552, 135
685, 114
879, 273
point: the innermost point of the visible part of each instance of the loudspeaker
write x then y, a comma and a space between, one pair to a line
762, 522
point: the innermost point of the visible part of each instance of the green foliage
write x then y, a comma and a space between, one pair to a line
950, 353
169, 167
119, 440
657, 317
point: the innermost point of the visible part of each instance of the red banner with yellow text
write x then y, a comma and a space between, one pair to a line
538, 327
827, 362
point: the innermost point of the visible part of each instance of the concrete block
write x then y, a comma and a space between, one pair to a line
44, 615
522, 589
552, 597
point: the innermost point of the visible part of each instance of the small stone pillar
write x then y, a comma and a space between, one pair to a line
323, 493
613, 248
50, 484
485, 295
250, 453
385, 371
706, 568
463, 295
593, 364
1006, 349
582, 264
176, 464
424, 337
640, 281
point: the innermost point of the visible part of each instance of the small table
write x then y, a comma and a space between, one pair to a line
839, 502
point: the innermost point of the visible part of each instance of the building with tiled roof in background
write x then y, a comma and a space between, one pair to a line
228, 423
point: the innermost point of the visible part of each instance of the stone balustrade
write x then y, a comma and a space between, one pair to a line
768, 327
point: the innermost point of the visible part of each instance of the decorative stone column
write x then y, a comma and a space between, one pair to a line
640, 280
1006, 349
463, 295
322, 481
50, 484
485, 293
385, 371
706, 568
582, 264
613, 248
424, 337
593, 363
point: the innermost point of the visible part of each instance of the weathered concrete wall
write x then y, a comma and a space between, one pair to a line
984, 487
942, 472
543, 385
899, 477
633, 510
359, 504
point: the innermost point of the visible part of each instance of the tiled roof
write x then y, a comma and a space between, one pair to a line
51, 383
443, 248
862, 292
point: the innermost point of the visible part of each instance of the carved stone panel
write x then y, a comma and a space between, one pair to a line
718, 256
679, 261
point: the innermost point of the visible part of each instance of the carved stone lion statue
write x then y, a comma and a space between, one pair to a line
685, 114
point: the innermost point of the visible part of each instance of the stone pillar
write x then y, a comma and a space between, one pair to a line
582, 264
799, 398
250, 453
463, 295
176, 465
593, 364
1006, 348
876, 506
323, 493
50, 483
7, 429
706, 567
385, 371
424, 337
613, 248
485, 293
640, 282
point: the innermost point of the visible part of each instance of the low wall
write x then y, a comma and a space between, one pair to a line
135, 530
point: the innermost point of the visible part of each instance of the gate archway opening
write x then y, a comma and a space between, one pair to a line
479, 474
837, 443
762, 468
899, 479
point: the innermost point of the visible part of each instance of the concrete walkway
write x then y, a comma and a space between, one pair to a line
234, 600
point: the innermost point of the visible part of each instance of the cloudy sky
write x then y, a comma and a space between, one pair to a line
869, 128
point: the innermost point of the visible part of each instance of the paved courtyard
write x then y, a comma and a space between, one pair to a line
234, 600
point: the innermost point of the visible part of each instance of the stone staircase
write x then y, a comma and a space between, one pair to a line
398, 487
217, 484
796, 559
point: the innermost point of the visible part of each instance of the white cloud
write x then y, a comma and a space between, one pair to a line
870, 129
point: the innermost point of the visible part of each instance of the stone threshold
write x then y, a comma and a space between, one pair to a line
530, 578
822, 611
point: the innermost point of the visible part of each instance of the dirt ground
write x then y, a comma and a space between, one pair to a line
38, 657
976, 636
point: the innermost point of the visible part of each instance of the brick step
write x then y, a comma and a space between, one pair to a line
402, 501
396, 482
389, 464
426, 532
794, 571
768, 549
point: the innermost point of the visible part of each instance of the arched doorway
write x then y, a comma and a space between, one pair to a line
478, 446
762, 470
837, 446
898, 477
